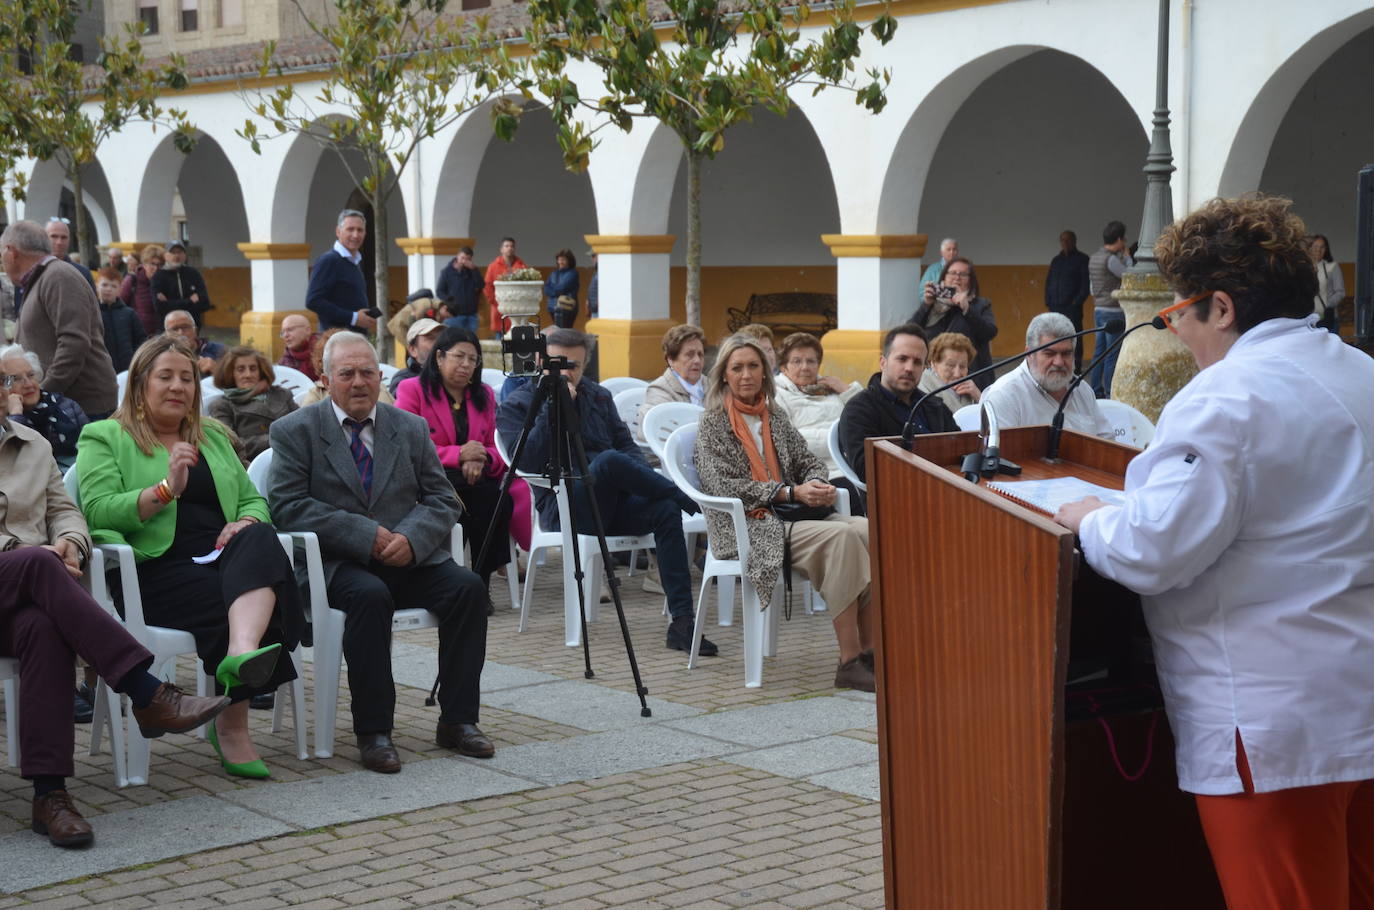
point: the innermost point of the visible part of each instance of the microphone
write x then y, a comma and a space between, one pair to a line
1057, 425
909, 428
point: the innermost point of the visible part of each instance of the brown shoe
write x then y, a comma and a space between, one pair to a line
173, 711
465, 739
378, 753
55, 816
854, 674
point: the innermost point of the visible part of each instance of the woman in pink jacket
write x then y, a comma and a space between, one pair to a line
461, 413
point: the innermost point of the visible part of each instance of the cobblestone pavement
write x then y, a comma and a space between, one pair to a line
725, 797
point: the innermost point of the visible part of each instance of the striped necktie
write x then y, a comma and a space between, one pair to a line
361, 456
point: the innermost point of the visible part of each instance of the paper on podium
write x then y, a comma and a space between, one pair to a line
1048, 495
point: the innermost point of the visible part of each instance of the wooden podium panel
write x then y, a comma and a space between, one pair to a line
973, 596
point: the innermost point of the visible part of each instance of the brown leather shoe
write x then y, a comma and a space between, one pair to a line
378, 753
854, 674
55, 816
465, 739
173, 711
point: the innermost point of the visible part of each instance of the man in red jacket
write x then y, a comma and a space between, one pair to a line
507, 261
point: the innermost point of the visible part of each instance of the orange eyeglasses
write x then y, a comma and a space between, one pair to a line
1164, 313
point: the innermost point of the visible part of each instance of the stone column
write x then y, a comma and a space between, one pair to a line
876, 282
633, 308
280, 275
1153, 364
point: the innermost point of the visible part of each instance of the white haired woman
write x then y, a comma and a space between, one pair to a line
749, 450
55, 417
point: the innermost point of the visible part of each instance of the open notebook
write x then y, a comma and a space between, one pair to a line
1049, 495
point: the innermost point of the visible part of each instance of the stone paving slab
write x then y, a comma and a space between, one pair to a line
132, 837
600, 754
861, 781
587, 707
784, 722
363, 794
805, 759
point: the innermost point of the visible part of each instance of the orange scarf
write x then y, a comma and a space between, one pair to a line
762, 466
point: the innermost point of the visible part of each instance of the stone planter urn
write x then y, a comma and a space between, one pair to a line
1153, 364
520, 301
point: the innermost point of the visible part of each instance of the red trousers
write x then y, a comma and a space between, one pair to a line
1308, 848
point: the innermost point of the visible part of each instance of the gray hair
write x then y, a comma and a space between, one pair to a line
176, 313
342, 340
15, 350
568, 338
952, 240
349, 213
716, 386
27, 237
1048, 325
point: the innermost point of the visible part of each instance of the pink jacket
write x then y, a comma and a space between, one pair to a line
410, 396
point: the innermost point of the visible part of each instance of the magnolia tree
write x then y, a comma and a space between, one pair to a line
54, 108
402, 72
697, 66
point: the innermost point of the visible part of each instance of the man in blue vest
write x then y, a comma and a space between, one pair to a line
337, 291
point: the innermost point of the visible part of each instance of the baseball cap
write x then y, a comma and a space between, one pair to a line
175, 243
421, 327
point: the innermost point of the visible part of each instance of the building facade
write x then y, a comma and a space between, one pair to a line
1007, 122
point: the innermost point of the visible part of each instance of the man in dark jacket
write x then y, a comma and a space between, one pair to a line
123, 330
460, 288
337, 293
882, 408
632, 497
1066, 286
178, 286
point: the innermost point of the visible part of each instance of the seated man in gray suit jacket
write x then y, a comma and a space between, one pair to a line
366, 479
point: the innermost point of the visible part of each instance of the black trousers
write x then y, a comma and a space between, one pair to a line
369, 595
479, 510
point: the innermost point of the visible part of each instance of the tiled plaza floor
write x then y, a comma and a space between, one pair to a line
725, 797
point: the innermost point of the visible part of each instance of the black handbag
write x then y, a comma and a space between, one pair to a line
787, 513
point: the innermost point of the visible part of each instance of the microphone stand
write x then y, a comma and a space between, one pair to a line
909, 428
1057, 424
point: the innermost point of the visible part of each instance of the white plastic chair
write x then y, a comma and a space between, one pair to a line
494, 378
588, 548
832, 442
1128, 425
969, 418
208, 393
628, 403
9, 674
292, 379
328, 623
166, 644
387, 371
121, 380
617, 384
662, 419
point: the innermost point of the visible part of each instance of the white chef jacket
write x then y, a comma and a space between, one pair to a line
1019, 401
1248, 528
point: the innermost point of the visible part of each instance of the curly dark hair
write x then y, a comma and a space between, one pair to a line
1253, 248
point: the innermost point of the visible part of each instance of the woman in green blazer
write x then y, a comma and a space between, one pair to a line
167, 482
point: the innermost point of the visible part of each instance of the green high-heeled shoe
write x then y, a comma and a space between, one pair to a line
251, 669
255, 769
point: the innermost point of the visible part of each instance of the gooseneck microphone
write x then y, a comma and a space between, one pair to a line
909, 428
1057, 425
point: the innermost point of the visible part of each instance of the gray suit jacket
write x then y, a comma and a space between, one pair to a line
314, 486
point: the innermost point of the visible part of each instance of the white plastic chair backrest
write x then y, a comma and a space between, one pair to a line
662, 419
620, 383
291, 379
494, 378
1128, 425
627, 405
387, 371
121, 380
69, 480
969, 417
832, 442
258, 470
208, 393
680, 458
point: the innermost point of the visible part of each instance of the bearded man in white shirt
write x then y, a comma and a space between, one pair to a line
1030, 395
1248, 529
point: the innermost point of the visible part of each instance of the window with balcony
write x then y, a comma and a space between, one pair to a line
147, 14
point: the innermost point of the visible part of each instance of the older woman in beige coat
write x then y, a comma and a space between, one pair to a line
748, 449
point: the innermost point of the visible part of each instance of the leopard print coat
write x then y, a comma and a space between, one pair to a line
724, 470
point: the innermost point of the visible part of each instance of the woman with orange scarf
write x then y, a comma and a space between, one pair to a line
749, 450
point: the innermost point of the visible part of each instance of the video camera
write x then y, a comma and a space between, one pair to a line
528, 350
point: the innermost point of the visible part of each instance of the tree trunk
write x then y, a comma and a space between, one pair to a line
380, 275
693, 236
83, 240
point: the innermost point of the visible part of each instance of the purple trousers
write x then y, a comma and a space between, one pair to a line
46, 619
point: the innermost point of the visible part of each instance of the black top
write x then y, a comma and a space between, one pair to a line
199, 516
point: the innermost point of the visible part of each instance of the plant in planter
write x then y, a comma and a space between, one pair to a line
520, 295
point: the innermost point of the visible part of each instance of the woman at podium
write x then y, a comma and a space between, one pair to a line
1248, 529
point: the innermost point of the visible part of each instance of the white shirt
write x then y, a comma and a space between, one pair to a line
355, 258
695, 391
1019, 401
366, 435
1248, 528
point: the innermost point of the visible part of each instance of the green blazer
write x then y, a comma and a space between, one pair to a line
112, 472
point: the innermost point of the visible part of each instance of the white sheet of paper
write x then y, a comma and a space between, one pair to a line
1048, 495
207, 558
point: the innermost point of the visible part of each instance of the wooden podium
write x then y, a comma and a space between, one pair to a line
989, 799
